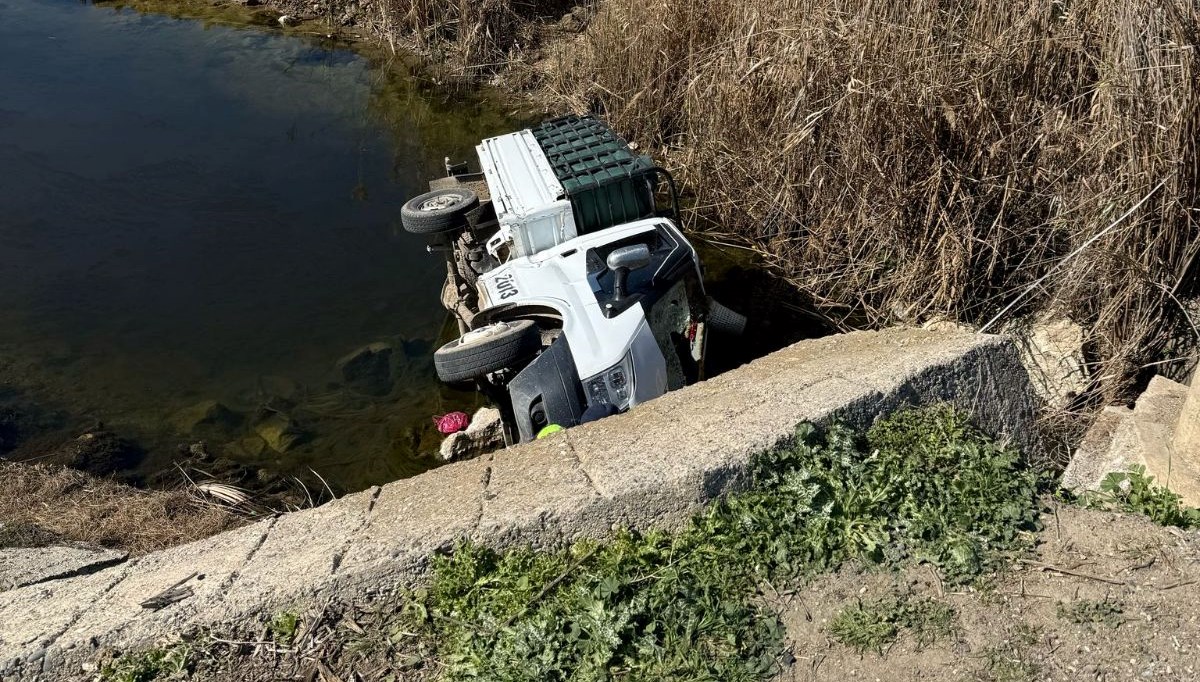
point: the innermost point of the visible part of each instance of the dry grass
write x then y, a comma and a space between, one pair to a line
464, 38
52, 502
898, 161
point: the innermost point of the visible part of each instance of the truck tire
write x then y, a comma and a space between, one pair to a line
438, 211
725, 321
485, 350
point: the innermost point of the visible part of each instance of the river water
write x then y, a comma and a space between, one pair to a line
193, 213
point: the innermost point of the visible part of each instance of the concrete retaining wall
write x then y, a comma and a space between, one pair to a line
654, 466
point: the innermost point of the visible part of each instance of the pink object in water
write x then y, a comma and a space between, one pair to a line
452, 423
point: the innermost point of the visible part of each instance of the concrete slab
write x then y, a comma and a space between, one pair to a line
206, 568
35, 615
411, 520
538, 495
310, 544
21, 566
1187, 432
1156, 418
1111, 444
1144, 436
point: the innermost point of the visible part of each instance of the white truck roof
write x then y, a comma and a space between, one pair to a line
531, 204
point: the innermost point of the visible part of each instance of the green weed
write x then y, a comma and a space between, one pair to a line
1136, 493
868, 627
1087, 611
283, 627
155, 664
921, 486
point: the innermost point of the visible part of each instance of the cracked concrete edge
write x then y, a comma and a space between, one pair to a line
653, 467
23, 566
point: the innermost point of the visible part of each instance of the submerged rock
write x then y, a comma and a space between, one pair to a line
100, 453
368, 369
281, 433
209, 415
21, 422
251, 446
11, 427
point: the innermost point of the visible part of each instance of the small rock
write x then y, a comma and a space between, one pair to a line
944, 324
368, 369
1052, 352
483, 435
485, 423
280, 433
100, 453
26, 535
199, 450
574, 21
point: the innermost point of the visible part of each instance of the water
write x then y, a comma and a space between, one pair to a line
192, 213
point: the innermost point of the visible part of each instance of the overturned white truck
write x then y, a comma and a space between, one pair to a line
576, 294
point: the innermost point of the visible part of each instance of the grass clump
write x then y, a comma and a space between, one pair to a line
283, 627
156, 664
1086, 611
1135, 492
42, 503
868, 627
921, 485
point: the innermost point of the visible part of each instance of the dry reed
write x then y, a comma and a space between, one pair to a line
900, 161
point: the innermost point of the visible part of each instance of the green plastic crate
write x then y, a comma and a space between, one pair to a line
605, 181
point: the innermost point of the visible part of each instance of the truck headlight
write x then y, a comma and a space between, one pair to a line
613, 386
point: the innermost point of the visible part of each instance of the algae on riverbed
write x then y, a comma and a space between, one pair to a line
231, 235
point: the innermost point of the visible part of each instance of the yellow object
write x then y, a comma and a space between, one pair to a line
549, 429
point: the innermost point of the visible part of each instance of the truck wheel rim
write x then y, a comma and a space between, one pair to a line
439, 203
485, 332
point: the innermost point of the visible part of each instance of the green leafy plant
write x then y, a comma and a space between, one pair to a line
1086, 611
283, 627
1135, 492
155, 664
922, 485
868, 627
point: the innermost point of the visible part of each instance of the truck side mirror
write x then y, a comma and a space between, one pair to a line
629, 257
624, 259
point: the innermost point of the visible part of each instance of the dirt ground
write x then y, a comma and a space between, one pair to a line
1104, 597
1134, 586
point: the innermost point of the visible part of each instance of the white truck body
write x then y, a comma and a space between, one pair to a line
531, 205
